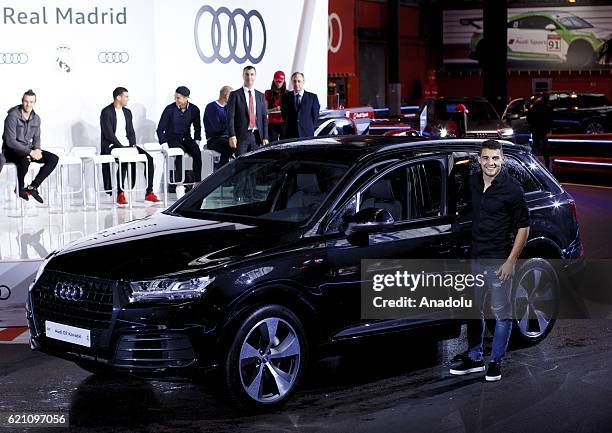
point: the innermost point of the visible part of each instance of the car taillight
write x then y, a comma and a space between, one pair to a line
574, 208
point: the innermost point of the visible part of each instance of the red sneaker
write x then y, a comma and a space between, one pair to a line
121, 200
151, 197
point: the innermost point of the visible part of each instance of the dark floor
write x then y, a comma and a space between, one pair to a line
564, 384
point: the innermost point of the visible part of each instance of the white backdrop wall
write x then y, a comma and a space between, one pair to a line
155, 50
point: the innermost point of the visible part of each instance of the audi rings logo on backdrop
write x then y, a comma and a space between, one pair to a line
224, 42
331, 36
5, 292
113, 57
69, 291
13, 58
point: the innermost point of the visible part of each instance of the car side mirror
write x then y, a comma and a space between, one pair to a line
369, 220
550, 27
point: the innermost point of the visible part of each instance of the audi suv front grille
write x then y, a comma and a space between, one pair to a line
487, 135
73, 300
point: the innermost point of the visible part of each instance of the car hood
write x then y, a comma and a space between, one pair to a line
165, 244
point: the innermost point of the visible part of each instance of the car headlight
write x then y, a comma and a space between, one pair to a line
169, 288
443, 132
506, 132
40, 271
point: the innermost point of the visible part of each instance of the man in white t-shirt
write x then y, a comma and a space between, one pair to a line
118, 131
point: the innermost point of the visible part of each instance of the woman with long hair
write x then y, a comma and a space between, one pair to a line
273, 97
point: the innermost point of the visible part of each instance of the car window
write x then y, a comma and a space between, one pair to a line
589, 101
513, 24
465, 166
516, 107
427, 179
534, 23
518, 171
390, 192
477, 110
265, 190
574, 23
336, 126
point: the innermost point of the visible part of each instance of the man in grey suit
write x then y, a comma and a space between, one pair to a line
247, 119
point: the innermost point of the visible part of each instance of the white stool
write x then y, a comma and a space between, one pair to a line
66, 161
89, 154
19, 202
128, 155
170, 155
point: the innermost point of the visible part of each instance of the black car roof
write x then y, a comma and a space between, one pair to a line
350, 149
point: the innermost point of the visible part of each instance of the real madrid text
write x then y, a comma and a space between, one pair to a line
45, 15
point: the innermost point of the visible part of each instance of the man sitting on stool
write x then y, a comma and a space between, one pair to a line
215, 126
175, 129
21, 145
118, 132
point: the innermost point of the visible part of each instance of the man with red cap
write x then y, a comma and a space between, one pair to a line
274, 96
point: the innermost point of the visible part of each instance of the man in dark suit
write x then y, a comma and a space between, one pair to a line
300, 109
247, 117
117, 132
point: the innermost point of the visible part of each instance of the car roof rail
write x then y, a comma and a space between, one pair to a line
452, 141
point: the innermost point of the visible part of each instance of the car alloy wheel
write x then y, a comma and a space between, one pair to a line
269, 360
535, 299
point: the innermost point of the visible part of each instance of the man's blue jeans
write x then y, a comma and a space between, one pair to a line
500, 308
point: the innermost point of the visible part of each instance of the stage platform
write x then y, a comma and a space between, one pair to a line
26, 240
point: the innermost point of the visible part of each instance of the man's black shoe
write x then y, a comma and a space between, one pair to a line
24, 194
468, 366
460, 357
34, 193
493, 372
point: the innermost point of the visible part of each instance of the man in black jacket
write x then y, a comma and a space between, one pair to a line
540, 120
247, 115
174, 128
21, 146
300, 109
118, 132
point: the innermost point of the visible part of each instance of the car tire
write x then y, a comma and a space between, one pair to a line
580, 54
535, 299
260, 374
594, 127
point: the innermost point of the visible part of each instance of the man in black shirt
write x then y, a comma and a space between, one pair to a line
174, 128
500, 227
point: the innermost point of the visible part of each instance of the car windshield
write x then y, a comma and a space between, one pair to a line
476, 110
264, 190
574, 23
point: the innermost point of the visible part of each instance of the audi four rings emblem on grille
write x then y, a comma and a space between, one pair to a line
13, 58
230, 46
69, 291
113, 57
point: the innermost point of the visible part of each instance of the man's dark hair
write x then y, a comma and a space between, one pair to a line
248, 68
490, 144
297, 73
28, 92
118, 92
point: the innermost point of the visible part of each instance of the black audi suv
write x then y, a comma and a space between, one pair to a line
259, 266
